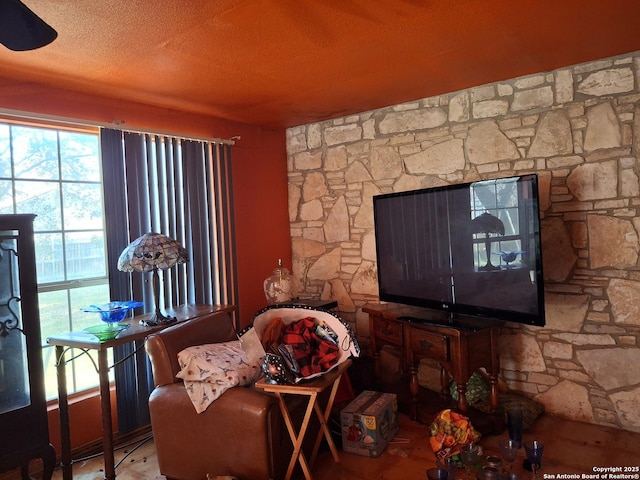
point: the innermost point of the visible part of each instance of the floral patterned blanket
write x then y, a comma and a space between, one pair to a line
209, 370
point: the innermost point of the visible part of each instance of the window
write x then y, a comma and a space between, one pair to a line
56, 174
496, 216
180, 187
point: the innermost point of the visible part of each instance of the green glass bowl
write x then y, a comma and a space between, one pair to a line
106, 332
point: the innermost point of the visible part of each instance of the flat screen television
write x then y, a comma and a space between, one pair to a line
468, 249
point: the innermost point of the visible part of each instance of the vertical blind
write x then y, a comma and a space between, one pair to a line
180, 188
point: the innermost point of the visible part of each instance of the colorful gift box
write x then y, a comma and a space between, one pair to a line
369, 423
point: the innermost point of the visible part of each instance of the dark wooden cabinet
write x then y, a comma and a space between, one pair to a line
24, 432
460, 348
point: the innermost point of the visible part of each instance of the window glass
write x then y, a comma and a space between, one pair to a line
79, 157
49, 258
5, 154
82, 204
54, 306
41, 198
498, 201
56, 174
66, 304
85, 254
35, 153
6, 196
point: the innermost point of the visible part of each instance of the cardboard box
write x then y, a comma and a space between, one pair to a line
369, 423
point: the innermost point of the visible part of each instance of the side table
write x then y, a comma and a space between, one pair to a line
311, 389
85, 342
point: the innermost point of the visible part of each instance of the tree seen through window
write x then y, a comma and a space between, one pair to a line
56, 174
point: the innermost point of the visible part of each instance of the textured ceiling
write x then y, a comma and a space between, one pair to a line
283, 62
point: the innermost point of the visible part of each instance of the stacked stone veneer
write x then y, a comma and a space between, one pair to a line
578, 128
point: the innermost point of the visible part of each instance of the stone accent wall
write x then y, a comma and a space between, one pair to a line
578, 128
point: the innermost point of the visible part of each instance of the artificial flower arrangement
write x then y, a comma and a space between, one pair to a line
448, 431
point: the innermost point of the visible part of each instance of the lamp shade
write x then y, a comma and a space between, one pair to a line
151, 251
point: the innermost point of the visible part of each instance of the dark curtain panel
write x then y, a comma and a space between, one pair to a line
182, 189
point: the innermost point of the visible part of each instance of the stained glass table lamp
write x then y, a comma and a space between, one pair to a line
149, 253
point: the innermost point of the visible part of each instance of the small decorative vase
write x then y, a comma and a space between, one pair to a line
278, 288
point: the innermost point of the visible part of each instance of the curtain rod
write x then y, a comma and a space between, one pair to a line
114, 125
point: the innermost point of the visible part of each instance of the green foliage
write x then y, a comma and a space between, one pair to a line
477, 389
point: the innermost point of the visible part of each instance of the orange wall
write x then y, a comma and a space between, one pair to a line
259, 183
86, 421
262, 215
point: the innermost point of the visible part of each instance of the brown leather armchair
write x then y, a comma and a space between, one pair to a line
240, 434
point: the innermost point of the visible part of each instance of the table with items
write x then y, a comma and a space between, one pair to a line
311, 389
85, 343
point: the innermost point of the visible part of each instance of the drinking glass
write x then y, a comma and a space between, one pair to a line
469, 454
437, 474
514, 423
534, 449
448, 464
509, 451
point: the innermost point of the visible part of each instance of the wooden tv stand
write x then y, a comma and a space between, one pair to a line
460, 347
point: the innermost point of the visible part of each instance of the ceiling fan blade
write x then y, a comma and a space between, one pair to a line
21, 29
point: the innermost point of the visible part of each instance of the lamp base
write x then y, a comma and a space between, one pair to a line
156, 319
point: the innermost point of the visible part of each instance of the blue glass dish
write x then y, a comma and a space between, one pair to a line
113, 312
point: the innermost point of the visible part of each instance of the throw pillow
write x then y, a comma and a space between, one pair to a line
210, 370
